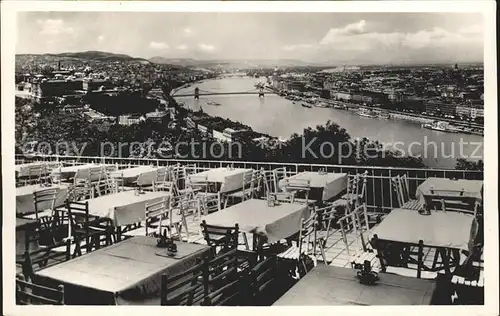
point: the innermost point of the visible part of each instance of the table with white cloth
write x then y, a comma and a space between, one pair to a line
70, 171
445, 231
125, 273
22, 170
25, 202
330, 184
329, 285
230, 179
146, 174
268, 223
448, 187
123, 208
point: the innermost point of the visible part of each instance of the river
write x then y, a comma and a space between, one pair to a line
276, 116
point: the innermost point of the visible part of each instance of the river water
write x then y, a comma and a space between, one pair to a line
276, 116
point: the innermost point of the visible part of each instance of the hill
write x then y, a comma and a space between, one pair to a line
88, 55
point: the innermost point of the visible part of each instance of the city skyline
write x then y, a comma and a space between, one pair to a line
360, 38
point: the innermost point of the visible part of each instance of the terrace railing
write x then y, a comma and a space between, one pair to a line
380, 194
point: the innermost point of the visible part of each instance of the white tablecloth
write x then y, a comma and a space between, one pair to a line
70, 171
255, 216
25, 202
331, 183
473, 188
22, 170
129, 175
124, 208
440, 229
230, 179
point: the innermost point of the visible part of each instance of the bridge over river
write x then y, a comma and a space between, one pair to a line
260, 91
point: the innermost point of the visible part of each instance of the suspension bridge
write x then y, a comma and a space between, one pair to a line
260, 91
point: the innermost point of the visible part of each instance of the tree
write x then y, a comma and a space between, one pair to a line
464, 164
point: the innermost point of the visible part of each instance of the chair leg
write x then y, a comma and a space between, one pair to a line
245, 240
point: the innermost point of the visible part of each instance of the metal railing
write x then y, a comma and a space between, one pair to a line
380, 195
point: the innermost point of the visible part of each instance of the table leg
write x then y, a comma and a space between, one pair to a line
118, 233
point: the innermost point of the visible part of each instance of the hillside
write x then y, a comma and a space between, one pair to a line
88, 55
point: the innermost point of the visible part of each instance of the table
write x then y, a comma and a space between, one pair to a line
123, 208
70, 171
125, 273
230, 179
25, 197
329, 285
256, 217
447, 187
447, 232
331, 184
24, 226
440, 229
22, 170
130, 175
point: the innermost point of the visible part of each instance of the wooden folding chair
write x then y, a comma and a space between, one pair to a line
356, 190
223, 281
300, 188
307, 238
220, 238
400, 186
186, 288
209, 203
29, 293
95, 231
452, 201
264, 277
248, 190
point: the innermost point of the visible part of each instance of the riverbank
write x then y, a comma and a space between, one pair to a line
279, 117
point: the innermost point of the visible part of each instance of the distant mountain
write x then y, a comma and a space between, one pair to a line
231, 63
89, 55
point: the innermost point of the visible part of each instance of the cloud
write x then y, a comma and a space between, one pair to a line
54, 27
158, 45
188, 32
182, 47
206, 47
296, 47
357, 37
101, 38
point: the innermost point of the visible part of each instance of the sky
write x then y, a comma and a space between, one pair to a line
362, 38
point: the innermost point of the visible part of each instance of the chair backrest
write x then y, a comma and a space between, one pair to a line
37, 173
223, 283
269, 182
156, 212
220, 237
161, 174
210, 203
28, 293
400, 187
286, 197
301, 187
452, 202
44, 199
106, 186
307, 234
198, 183
263, 277
328, 217
185, 288
357, 221
279, 174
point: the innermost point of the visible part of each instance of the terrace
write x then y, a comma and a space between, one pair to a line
353, 210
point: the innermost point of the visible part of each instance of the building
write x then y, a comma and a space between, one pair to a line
90, 84
345, 96
232, 134
440, 108
130, 119
155, 116
49, 90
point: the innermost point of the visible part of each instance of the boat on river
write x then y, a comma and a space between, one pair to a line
213, 103
441, 126
306, 105
367, 113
